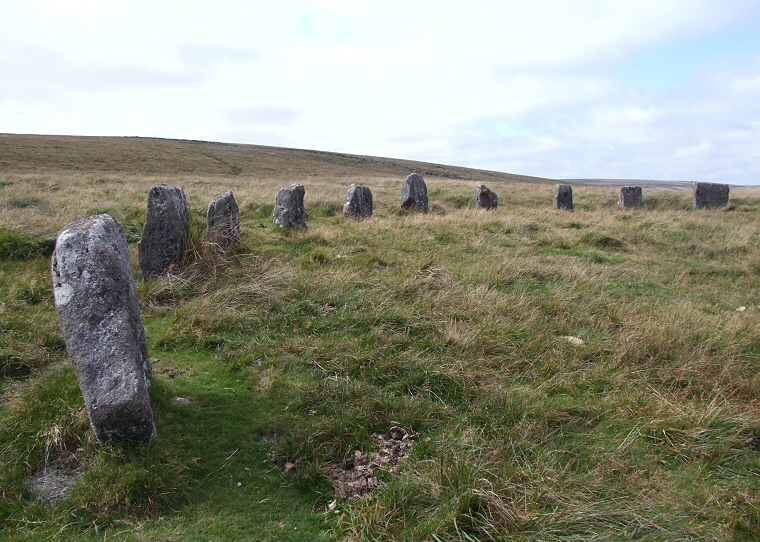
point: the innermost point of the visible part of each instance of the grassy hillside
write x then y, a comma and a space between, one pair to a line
568, 376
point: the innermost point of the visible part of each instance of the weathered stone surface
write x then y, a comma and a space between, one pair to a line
96, 301
358, 201
166, 233
289, 209
414, 193
563, 197
485, 198
710, 195
223, 219
630, 197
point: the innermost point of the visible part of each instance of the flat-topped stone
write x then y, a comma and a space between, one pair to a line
710, 195
630, 197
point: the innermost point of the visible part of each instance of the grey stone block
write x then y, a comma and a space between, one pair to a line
166, 233
289, 210
96, 302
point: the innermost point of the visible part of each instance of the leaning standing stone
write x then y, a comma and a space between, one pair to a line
630, 197
710, 195
96, 301
289, 210
223, 219
358, 202
166, 233
414, 193
563, 197
485, 198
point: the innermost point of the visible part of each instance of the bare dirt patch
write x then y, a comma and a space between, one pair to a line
51, 482
355, 477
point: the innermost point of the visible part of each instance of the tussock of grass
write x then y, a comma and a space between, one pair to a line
291, 348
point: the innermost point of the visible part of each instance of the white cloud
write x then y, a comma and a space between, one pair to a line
529, 87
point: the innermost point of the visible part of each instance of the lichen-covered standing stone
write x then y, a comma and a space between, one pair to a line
223, 219
414, 193
710, 195
96, 301
485, 198
563, 197
630, 197
166, 233
358, 202
289, 209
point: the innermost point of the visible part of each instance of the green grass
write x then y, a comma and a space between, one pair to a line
296, 346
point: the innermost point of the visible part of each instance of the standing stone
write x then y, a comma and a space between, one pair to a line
166, 233
630, 197
96, 301
414, 193
563, 197
710, 195
223, 219
358, 202
485, 198
289, 210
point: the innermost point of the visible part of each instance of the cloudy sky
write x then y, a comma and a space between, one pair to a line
661, 89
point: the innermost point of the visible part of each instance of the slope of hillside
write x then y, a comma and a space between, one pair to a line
127, 155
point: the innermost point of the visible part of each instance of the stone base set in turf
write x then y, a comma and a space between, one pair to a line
101, 322
358, 202
289, 208
414, 195
485, 198
563, 197
223, 220
630, 197
710, 195
166, 234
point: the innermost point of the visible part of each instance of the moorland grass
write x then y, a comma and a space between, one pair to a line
292, 348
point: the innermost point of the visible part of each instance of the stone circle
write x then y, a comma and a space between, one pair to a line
96, 301
563, 197
223, 219
414, 193
630, 197
710, 195
485, 198
166, 233
358, 202
289, 208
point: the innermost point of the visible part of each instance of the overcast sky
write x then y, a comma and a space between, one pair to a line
564, 89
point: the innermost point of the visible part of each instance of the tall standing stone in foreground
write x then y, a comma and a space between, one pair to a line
414, 193
563, 197
223, 219
166, 233
358, 202
289, 210
710, 195
630, 197
485, 198
96, 301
